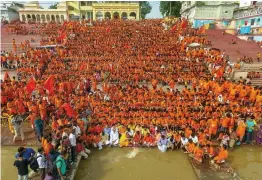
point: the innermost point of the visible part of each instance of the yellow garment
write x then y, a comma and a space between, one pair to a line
123, 142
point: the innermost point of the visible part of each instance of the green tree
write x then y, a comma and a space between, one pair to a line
145, 8
165, 7
54, 6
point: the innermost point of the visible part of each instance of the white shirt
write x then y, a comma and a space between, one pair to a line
184, 141
72, 139
114, 136
41, 160
78, 130
194, 139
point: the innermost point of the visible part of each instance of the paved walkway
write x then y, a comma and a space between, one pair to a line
6, 39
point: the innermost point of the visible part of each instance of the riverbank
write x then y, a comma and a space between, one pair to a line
112, 163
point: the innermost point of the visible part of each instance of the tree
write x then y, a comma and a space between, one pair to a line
175, 8
54, 6
145, 8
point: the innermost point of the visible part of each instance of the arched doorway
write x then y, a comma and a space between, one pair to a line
43, 18
28, 16
33, 17
133, 15
107, 15
62, 18
23, 18
116, 15
38, 18
53, 17
124, 15
57, 18
48, 18
99, 15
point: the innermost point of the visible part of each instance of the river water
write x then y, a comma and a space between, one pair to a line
113, 163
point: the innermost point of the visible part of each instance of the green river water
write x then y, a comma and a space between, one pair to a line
149, 164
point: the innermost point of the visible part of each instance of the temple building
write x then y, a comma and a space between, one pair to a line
76, 10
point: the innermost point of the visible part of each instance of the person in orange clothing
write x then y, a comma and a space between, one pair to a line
97, 141
48, 145
225, 122
55, 124
209, 151
213, 126
222, 155
240, 131
31, 118
148, 140
177, 138
198, 153
190, 146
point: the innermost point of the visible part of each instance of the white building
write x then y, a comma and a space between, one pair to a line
9, 11
200, 13
33, 12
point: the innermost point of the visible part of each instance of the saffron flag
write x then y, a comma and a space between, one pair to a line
69, 110
173, 28
63, 36
6, 77
83, 66
49, 84
31, 85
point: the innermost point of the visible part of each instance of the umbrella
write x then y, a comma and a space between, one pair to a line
194, 45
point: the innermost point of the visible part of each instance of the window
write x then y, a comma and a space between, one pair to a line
252, 22
258, 20
89, 3
226, 12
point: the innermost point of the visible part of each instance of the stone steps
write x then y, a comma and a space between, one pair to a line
256, 82
235, 51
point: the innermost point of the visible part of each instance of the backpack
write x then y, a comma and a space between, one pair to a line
34, 164
53, 169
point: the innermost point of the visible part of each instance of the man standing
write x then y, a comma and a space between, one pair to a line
27, 152
42, 162
16, 121
258, 56
39, 127
61, 165
22, 166
72, 139
250, 125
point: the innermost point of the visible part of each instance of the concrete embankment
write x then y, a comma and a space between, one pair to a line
75, 168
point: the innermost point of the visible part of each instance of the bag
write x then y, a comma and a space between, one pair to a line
54, 170
34, 164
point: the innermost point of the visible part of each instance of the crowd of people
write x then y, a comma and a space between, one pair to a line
253, 74
118, 83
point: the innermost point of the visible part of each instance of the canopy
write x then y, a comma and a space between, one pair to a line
48, 46
194, 45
